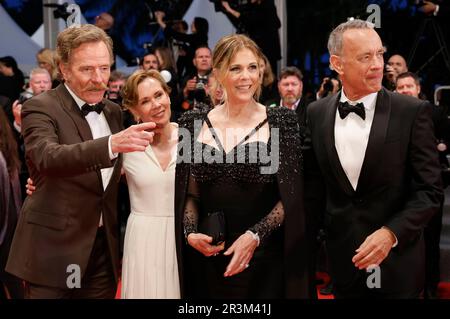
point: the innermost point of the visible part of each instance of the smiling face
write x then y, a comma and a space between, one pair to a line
87, 71
360, 64
242, 77
153, 103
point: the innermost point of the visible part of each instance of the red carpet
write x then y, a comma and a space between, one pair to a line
118, 290
443, 289
325, 278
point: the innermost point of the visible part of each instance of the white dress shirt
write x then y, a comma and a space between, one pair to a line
351, 136
99, 128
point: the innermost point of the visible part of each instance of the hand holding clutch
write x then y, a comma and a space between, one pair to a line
214, 225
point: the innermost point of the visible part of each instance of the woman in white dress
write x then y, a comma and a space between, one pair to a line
149, 266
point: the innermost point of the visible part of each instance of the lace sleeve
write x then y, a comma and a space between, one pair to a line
269, 223
190, 218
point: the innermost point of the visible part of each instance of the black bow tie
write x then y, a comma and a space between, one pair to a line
345, 108
86, 109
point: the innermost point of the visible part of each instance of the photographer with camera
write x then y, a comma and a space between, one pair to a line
408, 83
329, 85
394, 66
194, 86
40, 81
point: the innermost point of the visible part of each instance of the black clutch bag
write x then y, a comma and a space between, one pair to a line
214, 225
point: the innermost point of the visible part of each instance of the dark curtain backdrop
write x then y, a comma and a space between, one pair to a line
310, 22
133, 26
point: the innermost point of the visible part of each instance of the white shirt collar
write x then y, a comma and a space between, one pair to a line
79, 101
368, 100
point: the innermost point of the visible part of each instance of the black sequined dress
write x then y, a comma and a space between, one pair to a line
251, 199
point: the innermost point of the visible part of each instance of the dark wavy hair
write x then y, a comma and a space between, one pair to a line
201, 25
8, 145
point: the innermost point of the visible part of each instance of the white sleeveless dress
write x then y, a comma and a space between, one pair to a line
149, 266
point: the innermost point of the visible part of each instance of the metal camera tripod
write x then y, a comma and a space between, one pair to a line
440, 39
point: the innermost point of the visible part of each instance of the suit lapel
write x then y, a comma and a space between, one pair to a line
113, 122
377, 137
71, 107
330, 145
115, 126
301, 111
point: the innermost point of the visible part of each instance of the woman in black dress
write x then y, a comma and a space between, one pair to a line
246, 164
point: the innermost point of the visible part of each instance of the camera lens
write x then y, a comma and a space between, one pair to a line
22, 99
199, 85
328, 86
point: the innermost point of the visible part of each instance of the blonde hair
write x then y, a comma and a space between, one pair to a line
168, 61
129, 93
226, 49
39, 71
267, 77
47, 56
72, 38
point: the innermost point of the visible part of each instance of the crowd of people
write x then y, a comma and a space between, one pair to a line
231, 172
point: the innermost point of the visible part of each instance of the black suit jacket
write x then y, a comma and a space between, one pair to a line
399, 187
58, 223
301, 111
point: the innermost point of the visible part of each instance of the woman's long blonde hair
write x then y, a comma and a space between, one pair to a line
226, 49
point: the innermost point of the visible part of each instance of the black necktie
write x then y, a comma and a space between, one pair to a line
86, 109
345, 108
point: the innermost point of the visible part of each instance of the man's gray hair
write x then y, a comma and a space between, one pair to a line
39, 71
335, 39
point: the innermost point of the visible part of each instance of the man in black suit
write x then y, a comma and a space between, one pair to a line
290, 87
408, 83
377, 154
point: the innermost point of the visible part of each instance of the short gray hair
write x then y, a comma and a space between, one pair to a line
335, 39
39, 71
